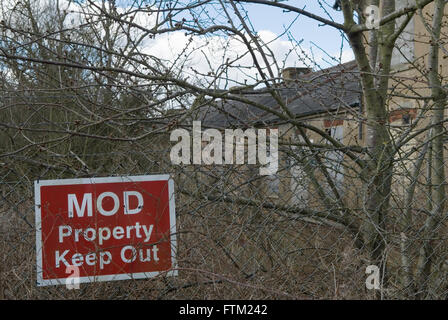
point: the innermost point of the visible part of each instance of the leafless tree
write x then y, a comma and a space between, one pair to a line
84, 93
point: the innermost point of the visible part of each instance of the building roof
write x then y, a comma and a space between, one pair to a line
328, 90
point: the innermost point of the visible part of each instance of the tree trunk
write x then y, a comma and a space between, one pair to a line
426, 258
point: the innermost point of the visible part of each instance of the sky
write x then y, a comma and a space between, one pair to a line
313, 34
316, 39
321, 44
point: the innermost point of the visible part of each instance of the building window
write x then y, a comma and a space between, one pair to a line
273, 182
299, 183
334, 158
406, 115
406, 119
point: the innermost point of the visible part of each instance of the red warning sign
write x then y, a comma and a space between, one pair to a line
108, 229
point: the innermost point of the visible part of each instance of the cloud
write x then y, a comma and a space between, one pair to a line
199, 56
214, 58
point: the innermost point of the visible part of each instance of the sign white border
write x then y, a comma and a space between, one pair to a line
112, 277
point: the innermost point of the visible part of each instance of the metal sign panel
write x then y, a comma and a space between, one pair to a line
112, 228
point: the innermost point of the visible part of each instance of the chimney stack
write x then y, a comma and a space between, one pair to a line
293, 73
